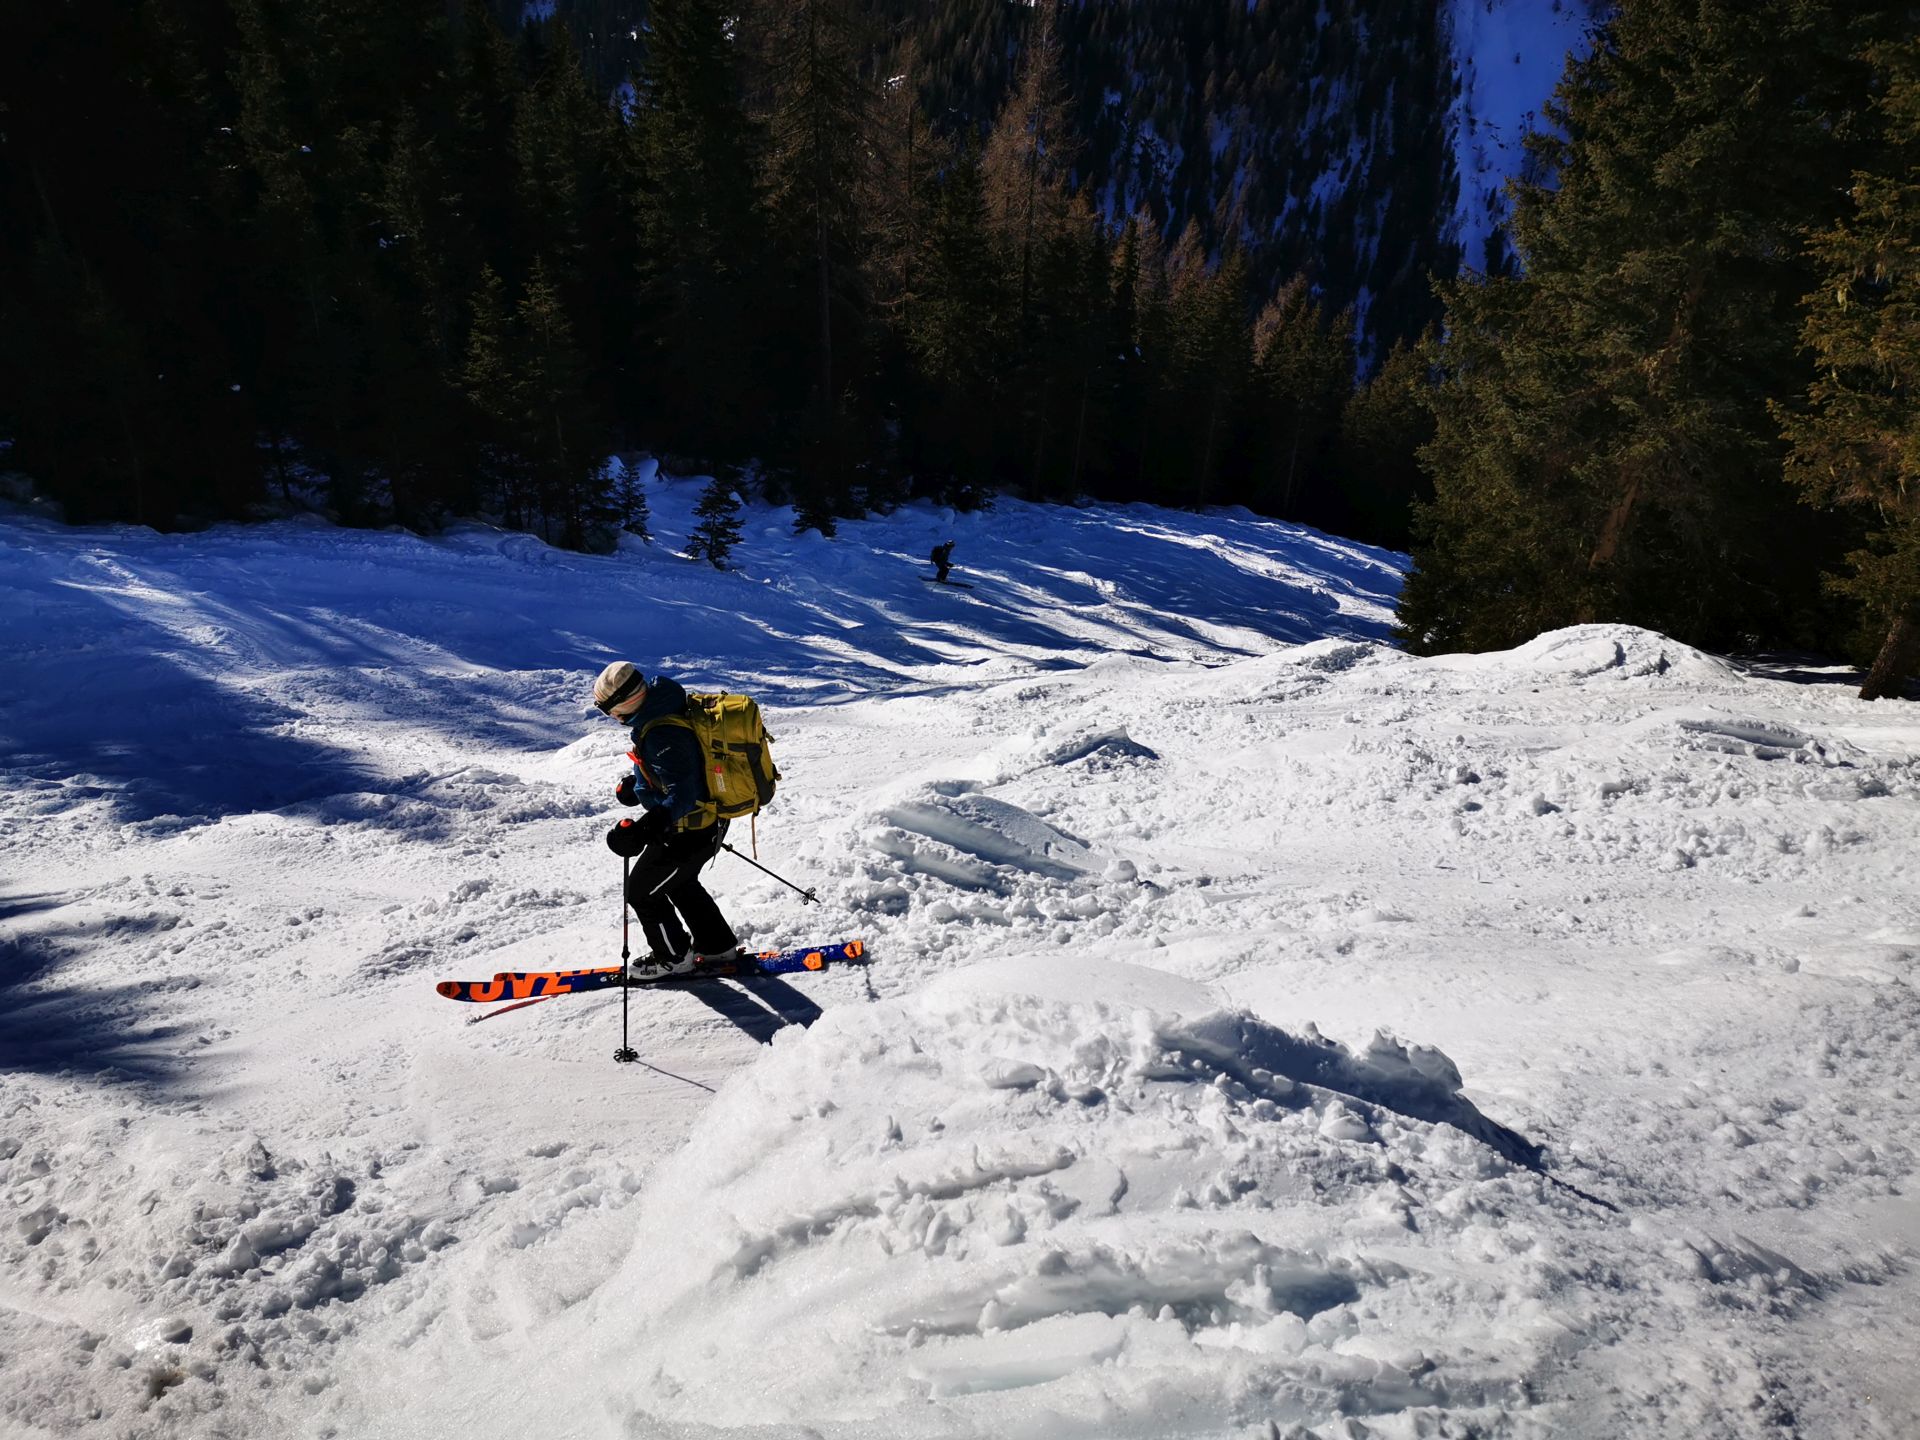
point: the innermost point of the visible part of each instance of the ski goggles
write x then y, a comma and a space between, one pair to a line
630, 703
627, 698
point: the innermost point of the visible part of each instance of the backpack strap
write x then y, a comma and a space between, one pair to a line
703, 813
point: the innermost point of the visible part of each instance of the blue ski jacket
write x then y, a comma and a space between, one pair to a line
668, 770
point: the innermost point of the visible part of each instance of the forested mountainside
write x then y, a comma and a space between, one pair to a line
1324, 138
1310, 133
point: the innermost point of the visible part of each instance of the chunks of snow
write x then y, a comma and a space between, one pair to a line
1026, 1149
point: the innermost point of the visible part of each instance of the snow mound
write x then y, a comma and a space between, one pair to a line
1032, 1192
969, 856
1581, 654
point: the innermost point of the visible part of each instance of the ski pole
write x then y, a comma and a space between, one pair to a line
517, 1005
626, 1054
806, 896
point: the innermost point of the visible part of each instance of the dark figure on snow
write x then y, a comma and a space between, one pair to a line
681, 923
942, 558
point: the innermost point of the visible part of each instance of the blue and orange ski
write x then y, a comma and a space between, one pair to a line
545, 984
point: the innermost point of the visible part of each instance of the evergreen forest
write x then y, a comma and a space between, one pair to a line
408, 260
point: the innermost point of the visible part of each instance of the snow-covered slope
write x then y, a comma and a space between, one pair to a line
1267, 1032
1508, 56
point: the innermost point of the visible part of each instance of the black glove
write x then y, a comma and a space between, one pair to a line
627, 792
630, 837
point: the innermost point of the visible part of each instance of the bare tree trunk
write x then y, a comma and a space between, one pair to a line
1896, 658
1615, 528
1612, 532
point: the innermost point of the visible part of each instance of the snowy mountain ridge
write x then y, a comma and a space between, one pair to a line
1266, 1031
1508, 55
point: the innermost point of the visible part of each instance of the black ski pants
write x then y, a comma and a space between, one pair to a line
664, 889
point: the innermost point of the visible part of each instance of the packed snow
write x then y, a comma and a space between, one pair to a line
1266, 1032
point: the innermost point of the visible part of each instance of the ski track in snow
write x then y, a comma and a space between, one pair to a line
1268, 1033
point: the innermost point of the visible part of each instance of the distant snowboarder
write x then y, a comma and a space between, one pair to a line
679, 833
942, 557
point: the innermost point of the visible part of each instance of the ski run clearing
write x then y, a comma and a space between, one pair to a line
1267, 1033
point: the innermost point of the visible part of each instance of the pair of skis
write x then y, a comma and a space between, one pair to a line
530, 987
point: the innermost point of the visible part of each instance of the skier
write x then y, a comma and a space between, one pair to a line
667, 779
942, 558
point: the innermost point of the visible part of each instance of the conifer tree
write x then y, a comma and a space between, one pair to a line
959, 330
1028, 162
562, 436
701, 250
630, 506
488, 380
1384, 424
819, 155
908, 156
1302, 378
1138, 308
483, 162
412, 182
1603, 450
718, 511
1210, 363
1856, 440
570, 170
1074, 350
819, 159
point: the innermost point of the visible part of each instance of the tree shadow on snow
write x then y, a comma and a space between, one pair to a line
168, 742
1806, 668
474, 637
103, 1032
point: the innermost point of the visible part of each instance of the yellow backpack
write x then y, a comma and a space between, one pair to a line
734, 745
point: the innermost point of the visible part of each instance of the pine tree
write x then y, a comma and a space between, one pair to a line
819, 162
1028, 162
1075, 351
959, 335
1856, 441
562, 437
1382, 429
630, 507
1138, 308
702, 253
819, 157
487, 378
908, 158
1209, 367
1302, 378
119, 346
1603, 449
483, 164
718, 511
812, 510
